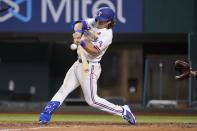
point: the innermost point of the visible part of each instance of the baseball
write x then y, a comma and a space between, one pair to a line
73, 46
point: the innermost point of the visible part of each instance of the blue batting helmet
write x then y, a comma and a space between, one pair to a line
105, 14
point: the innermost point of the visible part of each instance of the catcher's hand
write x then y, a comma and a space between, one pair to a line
183, 69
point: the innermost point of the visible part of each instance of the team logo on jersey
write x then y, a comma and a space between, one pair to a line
100, 43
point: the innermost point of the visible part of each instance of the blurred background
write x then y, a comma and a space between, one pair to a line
137, 69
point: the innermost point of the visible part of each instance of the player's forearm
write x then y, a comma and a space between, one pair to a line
91, 49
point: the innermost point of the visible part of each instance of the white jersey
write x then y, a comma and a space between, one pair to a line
102, 42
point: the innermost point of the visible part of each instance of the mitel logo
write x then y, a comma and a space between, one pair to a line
56, 10
14, 10
71, 10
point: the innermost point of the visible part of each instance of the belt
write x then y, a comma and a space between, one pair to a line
80, 61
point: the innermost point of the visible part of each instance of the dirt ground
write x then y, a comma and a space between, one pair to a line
85, 126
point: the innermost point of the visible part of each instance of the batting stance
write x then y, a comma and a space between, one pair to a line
97, 36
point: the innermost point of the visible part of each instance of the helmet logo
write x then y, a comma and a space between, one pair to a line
99, 13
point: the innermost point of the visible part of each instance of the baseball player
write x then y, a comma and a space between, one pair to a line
95, 45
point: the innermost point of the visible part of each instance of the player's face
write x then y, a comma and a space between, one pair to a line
102, 24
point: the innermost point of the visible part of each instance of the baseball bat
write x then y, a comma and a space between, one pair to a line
83, 58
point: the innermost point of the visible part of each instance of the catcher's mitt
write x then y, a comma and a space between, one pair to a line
183, 68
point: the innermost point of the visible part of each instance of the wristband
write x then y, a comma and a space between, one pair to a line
84, 24
79, 30
83, 43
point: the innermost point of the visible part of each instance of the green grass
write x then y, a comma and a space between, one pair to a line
60, 117
98, 118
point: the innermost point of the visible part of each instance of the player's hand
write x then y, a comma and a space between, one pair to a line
76, 37
193, 73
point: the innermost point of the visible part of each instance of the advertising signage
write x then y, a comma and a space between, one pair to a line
58, 15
